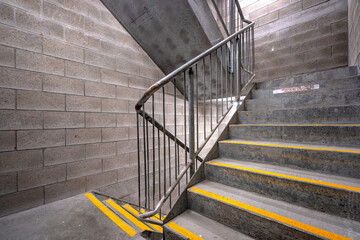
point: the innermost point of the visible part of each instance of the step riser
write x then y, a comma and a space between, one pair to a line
325, 86
341, 98
321, 198
329, 135
172, 235
312, 77
338, 163
243, 221
323, 115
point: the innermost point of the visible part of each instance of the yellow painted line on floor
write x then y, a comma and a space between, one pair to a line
136, 213
157, 217
123, 225
285, 220
126, 214
297, 125
183, 231
297, 147
288, 176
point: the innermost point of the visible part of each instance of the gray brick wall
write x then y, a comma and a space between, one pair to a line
297, 36
69, 78
354, 32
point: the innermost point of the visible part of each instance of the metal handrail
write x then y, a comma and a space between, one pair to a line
237, 51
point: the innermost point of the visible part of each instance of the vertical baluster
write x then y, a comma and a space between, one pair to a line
177, 160
204, 93
145, 170
231, 72
185, 134
226, 76
139, 166
169, 153
243, 55
248, 50
191, 123
153, 144
148, 161
210, 94
163, 95
221, 77
159, 166
216, 73
237, 65
253, 49
197, 106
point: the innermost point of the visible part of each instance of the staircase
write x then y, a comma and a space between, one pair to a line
290, 168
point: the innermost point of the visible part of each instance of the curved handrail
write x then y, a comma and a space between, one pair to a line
159, 84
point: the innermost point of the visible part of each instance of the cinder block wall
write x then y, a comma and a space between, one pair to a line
70, 76
354, 32
298, 36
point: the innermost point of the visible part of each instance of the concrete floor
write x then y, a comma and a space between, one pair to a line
72, 218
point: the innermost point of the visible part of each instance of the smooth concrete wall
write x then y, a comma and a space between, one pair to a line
70, 76
354, 32
297, 36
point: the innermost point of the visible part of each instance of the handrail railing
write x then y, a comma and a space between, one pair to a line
169, 149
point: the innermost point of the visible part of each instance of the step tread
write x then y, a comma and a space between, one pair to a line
285, 172
333, 224
294, 145
206, 228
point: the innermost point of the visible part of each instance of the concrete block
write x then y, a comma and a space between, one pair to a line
340, 49
83, 168
127, 93
114, 105
16, 38
82, 71
36, 24
40, 63
139, 82
115, 162
115, 134
52, 83
317, 54
7, 141
65, 189
117, 78
20, 79
7, 183
64, 120
261, 12
63, 50
40, 100
80, 103
94, 28
109, 19
10, 119
101, 179
310, 3
100, 150
20, 160
291, 9
340, 26
79, 38
127, 172
40, 138
41, 176
7, 56
100, 90
100, 120
94, 12
59, 155
123, 51
334, 62
268, 18
20, 201
79, 6
99, 60
7, 98
126, 146
126, 120
151, 73
127, 66
80, 136
7, 14
62, 15
29, 5
304, 67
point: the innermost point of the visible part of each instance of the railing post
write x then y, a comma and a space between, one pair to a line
191, 123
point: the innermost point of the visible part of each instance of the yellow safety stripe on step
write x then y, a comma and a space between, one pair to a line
288, 176
298, 147
184, 231
136, 213
123, 225
277, 217
126, 214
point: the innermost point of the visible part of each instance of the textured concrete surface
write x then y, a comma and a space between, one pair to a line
72, 218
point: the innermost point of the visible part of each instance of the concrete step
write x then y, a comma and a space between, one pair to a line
314, 115
331, 194
325, 85
314, 99
337, 73
264, 218
327, 134
192, 225
341, 161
